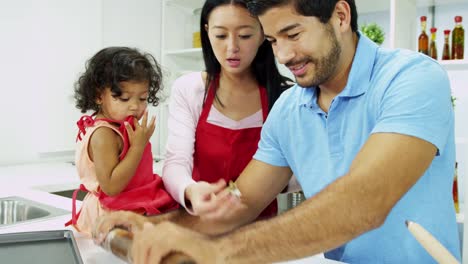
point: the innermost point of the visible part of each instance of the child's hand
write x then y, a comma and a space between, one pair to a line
140, 136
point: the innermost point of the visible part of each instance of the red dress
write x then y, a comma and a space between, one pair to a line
144, 194
224, 153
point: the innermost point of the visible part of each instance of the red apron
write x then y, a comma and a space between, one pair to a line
224, 153
144, 194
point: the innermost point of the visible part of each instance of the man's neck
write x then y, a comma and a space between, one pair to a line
335, 85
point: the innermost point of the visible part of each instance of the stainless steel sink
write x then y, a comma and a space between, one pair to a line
16, 209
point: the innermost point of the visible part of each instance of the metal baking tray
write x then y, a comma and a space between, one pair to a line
52, 247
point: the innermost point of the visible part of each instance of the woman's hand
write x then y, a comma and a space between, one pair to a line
123, 219
213, 201
154, 243
201, 196
140, 136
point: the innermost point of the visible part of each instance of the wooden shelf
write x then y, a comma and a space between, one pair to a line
363, 6
187, 4
461, 214
194, 53
372, 6
422, 3
460, 218
455, 65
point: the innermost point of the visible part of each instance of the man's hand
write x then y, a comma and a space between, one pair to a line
154, 243
124, 219
140, 136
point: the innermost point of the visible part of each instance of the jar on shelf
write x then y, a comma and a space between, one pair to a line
433, 46
196, 40
458, 39
446, 49
455, 189
423, 40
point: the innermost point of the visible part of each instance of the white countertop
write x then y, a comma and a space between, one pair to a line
35, 181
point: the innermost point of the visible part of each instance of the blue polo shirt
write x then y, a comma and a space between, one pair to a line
388, 91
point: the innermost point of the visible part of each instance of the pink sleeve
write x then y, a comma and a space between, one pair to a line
184, 111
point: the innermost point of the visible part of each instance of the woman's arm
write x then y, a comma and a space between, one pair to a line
184, 111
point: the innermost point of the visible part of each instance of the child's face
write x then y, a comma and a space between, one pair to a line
132, 101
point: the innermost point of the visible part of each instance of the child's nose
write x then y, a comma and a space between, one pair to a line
133, 106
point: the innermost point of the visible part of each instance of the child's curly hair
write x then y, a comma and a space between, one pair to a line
109, 67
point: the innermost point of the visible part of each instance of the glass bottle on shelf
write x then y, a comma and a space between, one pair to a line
458, 39
433, 47
423, 40
446, 50
196, 40
455, 189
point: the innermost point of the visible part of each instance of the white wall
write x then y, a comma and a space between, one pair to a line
44, 46
135, 23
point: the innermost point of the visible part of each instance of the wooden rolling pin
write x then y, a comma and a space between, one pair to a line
431, 244
119, 242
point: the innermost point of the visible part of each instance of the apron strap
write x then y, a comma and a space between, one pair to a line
209, 99
264, 99
212, 93
75, 215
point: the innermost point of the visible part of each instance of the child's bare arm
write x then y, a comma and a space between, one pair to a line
112, 175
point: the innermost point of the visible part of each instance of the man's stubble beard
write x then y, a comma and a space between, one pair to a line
325, 66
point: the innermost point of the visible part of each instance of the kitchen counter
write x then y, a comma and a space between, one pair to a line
89, 252
35, 181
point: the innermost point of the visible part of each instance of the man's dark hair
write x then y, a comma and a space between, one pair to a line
322, 9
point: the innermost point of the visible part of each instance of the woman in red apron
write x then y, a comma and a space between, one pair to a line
215, 117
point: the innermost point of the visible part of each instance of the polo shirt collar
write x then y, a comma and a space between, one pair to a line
361, 70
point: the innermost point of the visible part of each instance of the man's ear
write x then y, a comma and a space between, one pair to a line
343, 14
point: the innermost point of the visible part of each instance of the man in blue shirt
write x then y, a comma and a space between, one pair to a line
369, 134
370, 129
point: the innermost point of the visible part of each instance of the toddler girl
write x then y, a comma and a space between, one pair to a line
113, 154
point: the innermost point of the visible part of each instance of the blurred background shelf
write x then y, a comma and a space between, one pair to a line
455, 65
371, 6
187, 4
193, 53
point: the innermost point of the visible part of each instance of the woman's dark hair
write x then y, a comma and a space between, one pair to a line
322, 9
263, 66
109, 67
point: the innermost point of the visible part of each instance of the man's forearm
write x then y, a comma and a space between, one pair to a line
169, 216
319, 224
207, 227
384, 170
